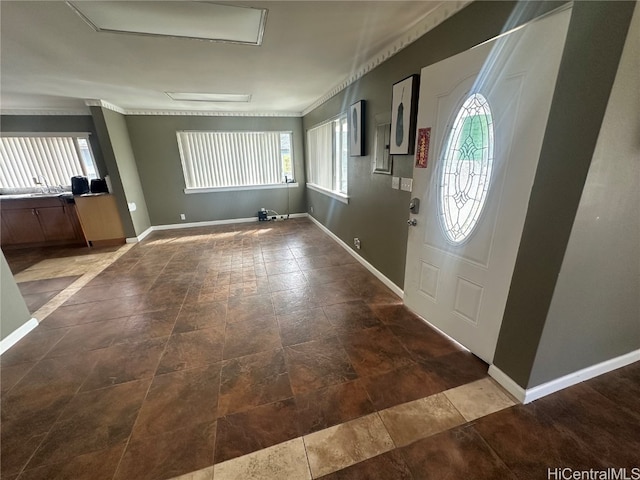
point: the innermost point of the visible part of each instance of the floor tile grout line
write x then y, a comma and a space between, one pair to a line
306, 456
444, 393
386, 429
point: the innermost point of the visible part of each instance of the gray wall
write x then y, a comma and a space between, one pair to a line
121, 164
58, 124
155, 147
590, 59
376, 213
13, 310
595, 310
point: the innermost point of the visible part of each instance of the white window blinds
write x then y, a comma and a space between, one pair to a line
327, 155
320, 160
229, 159
23, 158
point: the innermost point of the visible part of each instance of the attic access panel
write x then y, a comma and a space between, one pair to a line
194, 20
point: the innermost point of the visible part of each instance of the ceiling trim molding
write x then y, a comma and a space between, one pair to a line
206, 113
115, 108
43, 112
434, 18
104, 104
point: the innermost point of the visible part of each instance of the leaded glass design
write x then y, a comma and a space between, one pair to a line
466, 169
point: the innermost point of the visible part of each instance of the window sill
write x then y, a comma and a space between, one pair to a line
190, 191
341, 197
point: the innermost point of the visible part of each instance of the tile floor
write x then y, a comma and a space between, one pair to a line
266, 351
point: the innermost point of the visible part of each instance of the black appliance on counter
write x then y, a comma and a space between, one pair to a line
79, 185
99, 185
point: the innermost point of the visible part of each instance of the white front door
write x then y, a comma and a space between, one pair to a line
487, 109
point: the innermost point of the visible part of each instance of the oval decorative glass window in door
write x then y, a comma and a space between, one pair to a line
465, 172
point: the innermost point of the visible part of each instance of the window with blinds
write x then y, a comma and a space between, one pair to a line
327, 156
235, 159
31, 160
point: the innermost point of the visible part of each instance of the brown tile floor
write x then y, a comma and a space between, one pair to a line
36, 293
202, 345
20, 259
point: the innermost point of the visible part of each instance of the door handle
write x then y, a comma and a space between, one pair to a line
412, 222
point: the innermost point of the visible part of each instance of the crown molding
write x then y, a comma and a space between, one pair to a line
123, 111
104, 104
212, 113
192, 113
42, 112
434, 18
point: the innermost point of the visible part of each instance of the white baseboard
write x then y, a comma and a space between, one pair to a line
379, 275
140, 237
507, 383
210, 223
539, 391
15, 336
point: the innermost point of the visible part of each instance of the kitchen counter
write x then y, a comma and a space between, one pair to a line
36, 195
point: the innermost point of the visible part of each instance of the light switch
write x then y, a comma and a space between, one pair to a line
132, 206
395, 182
406, 184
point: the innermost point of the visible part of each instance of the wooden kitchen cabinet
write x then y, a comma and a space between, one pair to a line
23, 225
100, 220
39, 221
55, 223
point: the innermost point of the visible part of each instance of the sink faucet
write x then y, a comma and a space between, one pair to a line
38, 181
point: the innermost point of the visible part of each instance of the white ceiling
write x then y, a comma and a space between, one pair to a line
52, 61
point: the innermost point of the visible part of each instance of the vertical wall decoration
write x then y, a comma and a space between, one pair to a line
404, 110
356, 129
382, 162
422, 151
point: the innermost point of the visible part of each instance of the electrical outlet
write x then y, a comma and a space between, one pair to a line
311, 208
406, 184
356, 243
183, 216
395, 183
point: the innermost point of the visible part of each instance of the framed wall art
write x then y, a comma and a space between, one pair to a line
356, 129
404, 110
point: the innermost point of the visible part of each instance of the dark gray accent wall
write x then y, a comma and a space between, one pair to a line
376, 213
155, 147
121, 163
13, 310
595, 310
121, 167
57, 124
590, 59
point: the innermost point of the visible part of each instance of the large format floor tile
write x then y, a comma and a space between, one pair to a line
338, 447
283, 461
267, 352
412, 421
